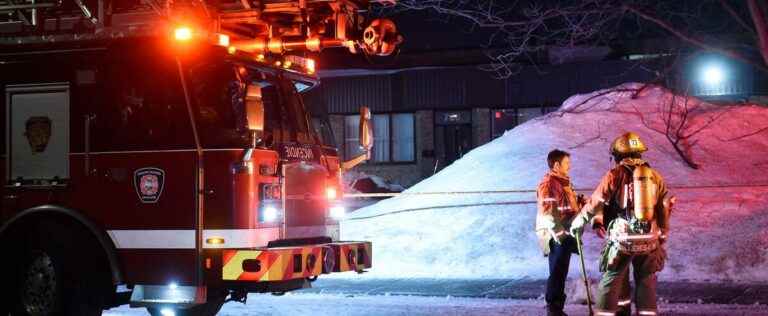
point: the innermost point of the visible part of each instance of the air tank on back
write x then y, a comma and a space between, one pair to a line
644, 192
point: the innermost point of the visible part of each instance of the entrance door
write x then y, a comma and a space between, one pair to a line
458, 141
453, 136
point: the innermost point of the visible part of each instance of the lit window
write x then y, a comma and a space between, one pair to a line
393, 134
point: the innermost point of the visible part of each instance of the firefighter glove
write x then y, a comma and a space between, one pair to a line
559, 236
577, 226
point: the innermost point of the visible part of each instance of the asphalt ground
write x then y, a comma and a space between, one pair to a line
672, 292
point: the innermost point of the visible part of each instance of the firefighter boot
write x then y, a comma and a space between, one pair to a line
555, 310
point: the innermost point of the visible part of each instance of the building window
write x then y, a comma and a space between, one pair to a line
381, 139
503, 120
403, 146
394, 137
352, 137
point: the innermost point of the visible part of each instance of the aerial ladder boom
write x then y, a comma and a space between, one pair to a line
256, 26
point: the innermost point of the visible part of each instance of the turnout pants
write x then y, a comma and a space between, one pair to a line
613, 291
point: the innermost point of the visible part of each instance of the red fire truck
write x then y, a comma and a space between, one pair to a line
163, 147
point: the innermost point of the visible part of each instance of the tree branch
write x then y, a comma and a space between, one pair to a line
736, 16
758, 19
690, 39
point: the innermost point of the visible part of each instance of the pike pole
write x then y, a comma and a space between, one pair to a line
580, 247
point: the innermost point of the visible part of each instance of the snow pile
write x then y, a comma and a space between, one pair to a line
719, 225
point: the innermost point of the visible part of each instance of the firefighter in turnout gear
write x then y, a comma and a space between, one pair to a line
633, 200
557, 205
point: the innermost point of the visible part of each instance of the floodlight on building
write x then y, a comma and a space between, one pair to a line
713, 74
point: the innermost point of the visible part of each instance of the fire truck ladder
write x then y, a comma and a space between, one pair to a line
273, 26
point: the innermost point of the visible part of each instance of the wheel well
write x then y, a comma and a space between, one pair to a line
26, 221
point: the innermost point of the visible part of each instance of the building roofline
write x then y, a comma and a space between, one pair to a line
357, 72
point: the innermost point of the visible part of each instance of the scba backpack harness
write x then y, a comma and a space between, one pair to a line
634, 230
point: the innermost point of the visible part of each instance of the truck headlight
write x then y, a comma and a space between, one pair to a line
338, 212
269, 213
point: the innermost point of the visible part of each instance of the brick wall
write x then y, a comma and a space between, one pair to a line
481, 127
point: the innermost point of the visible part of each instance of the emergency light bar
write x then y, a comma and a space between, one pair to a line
306, 64
184, 34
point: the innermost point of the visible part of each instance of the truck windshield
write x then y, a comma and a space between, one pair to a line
219, 92
322, 127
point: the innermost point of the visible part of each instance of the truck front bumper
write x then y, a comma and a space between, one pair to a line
295, 262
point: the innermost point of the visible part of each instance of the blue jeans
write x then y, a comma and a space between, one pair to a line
559, 260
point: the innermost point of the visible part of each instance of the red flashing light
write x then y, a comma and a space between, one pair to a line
182, 33
498, 114
310, 66
223, 40
331, 193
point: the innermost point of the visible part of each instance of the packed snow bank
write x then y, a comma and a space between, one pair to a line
719, 225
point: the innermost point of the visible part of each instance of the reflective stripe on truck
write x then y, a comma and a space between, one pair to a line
286, 263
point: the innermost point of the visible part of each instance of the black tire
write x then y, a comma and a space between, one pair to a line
210, 308
57, 273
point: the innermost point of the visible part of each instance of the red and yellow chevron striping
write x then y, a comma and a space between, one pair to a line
353, 256
274, 264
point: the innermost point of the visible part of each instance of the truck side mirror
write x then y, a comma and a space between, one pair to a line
254, 109
366, 130
366, 140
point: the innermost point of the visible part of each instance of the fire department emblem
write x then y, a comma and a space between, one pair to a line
149, 184
38, 133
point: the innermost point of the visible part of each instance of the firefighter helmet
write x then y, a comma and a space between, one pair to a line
627, 143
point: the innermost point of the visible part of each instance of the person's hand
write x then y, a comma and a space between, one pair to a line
577, 226
557, 237
669, 203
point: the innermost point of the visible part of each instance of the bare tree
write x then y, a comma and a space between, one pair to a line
520, 29
681, 118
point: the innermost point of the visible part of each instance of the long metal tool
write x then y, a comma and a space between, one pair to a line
580, 247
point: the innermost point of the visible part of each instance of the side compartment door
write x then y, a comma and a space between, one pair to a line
142, 171
37, 142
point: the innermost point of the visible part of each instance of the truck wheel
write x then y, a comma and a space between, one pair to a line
40, 285
55, 277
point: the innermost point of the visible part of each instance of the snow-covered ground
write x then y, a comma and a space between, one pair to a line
336, 305
719, 226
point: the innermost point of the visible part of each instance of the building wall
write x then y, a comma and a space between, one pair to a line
406, 174
424, 91
425, 142
481, 126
